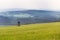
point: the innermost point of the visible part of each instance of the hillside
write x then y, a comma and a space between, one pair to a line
45, 31
28, 16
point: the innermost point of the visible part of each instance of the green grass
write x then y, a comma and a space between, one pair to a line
45, 31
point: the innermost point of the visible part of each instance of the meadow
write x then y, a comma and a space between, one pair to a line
44, 31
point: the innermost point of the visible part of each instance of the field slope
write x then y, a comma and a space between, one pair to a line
45, 31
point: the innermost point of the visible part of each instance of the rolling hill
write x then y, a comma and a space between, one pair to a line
10, 17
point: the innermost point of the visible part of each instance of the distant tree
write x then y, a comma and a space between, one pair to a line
18, 23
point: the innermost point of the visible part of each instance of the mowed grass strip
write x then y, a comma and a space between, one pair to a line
45, 31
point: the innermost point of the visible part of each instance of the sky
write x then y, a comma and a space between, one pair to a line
30, 4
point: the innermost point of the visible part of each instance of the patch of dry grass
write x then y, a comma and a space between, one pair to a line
46, 31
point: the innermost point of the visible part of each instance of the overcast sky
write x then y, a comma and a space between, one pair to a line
30, 4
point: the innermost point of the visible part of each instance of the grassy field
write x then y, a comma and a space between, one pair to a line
45, 31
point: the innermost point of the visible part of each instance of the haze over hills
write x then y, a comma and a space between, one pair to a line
10, 17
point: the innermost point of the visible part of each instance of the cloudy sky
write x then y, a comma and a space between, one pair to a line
30, 4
